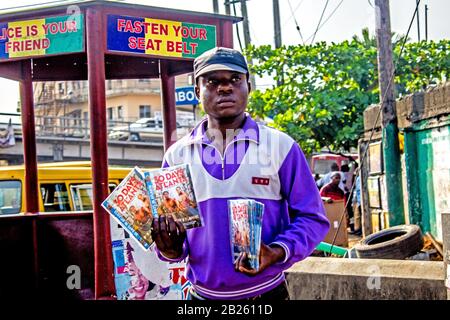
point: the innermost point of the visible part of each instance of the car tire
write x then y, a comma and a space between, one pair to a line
398, 242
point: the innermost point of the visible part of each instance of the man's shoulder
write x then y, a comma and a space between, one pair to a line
176, 149
277, 142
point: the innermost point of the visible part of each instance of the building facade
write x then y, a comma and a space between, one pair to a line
62, 107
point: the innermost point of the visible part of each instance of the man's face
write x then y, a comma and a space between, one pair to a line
166, 195
336, 179
223, 94
178, 190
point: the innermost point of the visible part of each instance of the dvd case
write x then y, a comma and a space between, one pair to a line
172, 193
245, 217
129, 204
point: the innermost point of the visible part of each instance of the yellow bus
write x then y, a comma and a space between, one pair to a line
63, 186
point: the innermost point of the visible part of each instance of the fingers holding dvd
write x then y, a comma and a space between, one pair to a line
169, 236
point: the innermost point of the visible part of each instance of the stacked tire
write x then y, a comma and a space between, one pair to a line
398, 242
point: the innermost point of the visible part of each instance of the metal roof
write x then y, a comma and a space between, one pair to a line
27, 10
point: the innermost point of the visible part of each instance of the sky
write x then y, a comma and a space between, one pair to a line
342, 19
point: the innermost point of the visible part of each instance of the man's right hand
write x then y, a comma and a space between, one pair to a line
169, 236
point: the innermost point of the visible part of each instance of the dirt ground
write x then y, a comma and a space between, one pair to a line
353, 239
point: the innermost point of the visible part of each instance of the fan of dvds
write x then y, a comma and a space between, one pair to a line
145, 195
245, 218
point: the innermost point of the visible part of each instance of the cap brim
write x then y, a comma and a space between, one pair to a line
221, 67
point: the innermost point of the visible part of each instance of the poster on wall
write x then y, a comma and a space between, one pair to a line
140, 274
383, 193
375, 158
373, 187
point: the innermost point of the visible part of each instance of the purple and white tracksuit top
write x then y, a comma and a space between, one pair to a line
263, 164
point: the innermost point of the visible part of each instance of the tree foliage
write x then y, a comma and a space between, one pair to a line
324, 88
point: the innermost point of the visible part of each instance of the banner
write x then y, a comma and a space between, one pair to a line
40, 37
159, 37
7, 138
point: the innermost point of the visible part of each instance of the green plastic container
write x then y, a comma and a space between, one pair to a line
326, 247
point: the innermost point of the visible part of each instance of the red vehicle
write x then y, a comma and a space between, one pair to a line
321, 163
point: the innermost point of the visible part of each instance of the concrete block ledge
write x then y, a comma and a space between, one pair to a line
318, 278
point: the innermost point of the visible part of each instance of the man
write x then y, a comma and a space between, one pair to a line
186, 203
357, 206
332, 190
326, 179
231, 157
184, 199
168, 205
348, 176
144, 213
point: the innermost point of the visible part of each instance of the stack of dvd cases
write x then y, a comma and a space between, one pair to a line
245, 218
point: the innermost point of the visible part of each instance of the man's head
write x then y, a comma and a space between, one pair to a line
336, 178
334, 167
178, 189
166, 195
221, 78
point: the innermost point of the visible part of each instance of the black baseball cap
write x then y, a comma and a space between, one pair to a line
220, 58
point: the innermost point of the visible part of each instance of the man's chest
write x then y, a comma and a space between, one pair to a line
234, 174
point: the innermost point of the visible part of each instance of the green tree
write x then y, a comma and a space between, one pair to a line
326, 87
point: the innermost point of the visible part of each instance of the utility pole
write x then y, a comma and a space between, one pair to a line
227, 7
277, 31
247, 38
276, 23
216, 6
418, 21
391, 152
426, 22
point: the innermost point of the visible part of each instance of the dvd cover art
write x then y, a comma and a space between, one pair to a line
245, 229
239, 227
129, 204
172, 193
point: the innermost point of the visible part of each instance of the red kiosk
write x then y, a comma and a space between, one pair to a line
94, 41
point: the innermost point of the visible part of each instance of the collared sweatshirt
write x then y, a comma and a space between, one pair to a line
262, 164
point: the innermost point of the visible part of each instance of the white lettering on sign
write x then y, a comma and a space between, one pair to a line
185, 96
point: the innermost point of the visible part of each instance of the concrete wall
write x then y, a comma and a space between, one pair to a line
366, 279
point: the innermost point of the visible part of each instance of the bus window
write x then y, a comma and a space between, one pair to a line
55, 197
322, 166
82, 196
10, 196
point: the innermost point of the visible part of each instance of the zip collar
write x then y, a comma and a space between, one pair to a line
248, 132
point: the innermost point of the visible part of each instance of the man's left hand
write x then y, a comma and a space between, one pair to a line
268, 256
